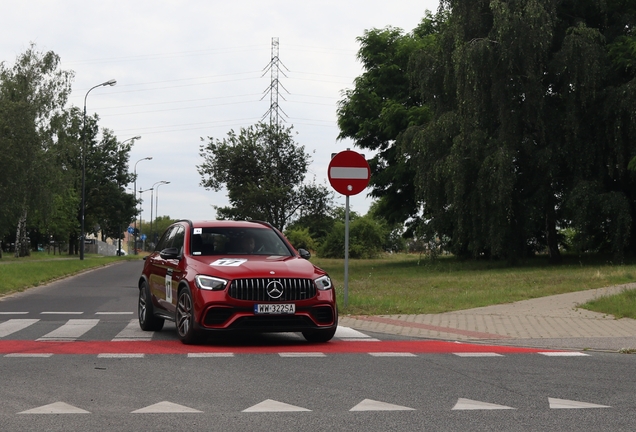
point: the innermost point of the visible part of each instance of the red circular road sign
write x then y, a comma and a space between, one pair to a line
349, 172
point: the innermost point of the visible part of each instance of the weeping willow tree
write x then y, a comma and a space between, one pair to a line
533, 126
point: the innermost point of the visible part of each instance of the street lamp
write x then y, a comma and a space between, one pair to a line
140, 213
135, 190
157, 200
120, 230
138, 137
151, 197
111, 82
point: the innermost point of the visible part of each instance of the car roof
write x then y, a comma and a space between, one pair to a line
228, 224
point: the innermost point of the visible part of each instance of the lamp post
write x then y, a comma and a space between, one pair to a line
140, 213
152, 192
157, 200
111, 82
120, 231
135, 190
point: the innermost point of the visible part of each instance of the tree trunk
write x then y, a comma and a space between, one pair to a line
71, 244
21, 241
551, 234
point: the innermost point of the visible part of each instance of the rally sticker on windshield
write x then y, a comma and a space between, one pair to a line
228, 262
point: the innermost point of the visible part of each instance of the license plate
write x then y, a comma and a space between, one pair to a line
275, 308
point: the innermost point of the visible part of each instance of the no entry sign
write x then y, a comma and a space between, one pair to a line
349, 173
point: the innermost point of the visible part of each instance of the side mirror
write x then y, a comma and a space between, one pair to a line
169, 253
304, 254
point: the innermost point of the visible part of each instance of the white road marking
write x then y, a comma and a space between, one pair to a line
132, 332
15, 325
114, 313
56, 408
13, 313
33, 355
71, 331
209, 355
564, 354
302, 354
392, 354
270, 405
469, 404
372, 405
570, 404
165, 407
349, 333
120, 355
61, 313
477, 354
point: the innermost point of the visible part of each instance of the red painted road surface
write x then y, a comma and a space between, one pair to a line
176, 347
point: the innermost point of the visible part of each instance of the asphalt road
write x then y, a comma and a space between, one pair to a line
367, 382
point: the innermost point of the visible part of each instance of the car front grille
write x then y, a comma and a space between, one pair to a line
257, 289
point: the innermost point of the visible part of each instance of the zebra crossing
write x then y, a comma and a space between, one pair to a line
73, 329
121, 337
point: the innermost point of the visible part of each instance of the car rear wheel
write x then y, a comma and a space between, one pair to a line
184, 318
145, 310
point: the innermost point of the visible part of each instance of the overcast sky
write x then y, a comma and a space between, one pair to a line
192, 69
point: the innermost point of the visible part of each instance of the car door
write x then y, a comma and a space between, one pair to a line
173, 270
159, 267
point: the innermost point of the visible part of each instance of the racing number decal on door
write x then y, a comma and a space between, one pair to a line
169, 286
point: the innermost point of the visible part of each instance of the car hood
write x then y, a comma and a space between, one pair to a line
236, 267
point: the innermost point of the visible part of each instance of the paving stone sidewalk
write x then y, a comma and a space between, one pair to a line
549, 322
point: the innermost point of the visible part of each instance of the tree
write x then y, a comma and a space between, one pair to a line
532, 126
32, 94
108, 205
381, 106
263, 170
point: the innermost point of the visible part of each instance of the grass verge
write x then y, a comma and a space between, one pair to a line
622, 305
18, 274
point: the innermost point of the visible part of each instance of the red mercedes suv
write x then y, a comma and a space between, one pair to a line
220, 276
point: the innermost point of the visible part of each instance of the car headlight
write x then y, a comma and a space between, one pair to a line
323, 283
210, 283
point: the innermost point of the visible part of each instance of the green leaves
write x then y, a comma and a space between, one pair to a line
263, 170
529, 101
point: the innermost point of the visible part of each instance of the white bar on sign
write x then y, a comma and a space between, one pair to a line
349, 173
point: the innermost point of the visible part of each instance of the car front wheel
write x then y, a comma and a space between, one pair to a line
147, 319
319, 336
184, 318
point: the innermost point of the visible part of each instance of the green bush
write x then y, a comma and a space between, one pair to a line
366, 238
300, 238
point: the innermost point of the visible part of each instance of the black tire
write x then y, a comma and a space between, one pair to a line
321, 336
184, 318
145, 311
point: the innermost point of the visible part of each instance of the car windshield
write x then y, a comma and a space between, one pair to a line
237, 241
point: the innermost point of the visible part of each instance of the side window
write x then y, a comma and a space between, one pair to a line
178, 238
163, 242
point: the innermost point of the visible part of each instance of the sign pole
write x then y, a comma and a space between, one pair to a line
349, 174
346, 251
